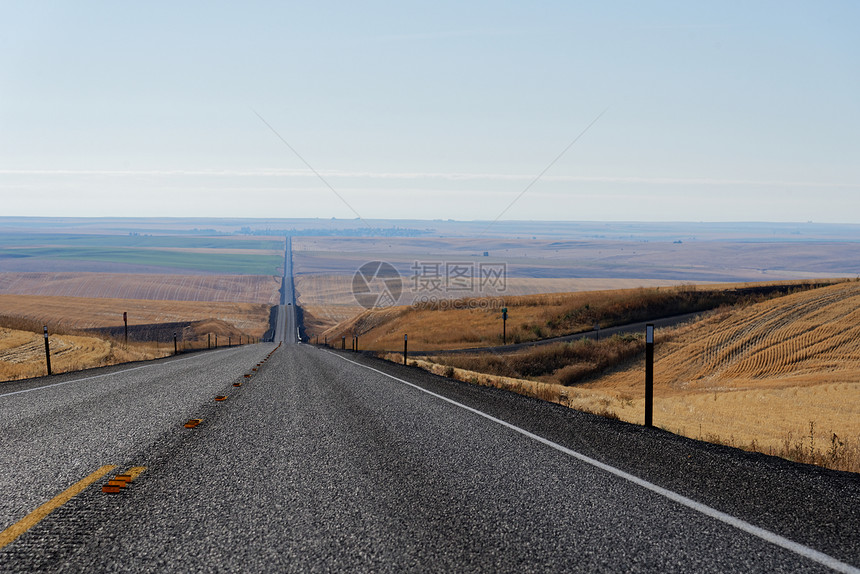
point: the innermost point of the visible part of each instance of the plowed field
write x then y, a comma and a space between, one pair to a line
222, 288
784, 374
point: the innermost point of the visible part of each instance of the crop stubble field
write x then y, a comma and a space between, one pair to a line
218, 288
22, 351
759, 375
780, 376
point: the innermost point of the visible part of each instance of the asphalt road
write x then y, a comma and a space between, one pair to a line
325, 461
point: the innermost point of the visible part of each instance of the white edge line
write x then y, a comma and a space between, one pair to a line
766, 535
2, 395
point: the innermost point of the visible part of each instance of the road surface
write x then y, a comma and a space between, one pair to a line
328, 461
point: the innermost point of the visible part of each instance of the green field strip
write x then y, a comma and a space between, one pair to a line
226, 263
8, 240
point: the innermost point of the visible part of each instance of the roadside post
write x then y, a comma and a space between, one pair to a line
47, 351
343, 343
125, 322
356, 344
174, 345
216, 340
649, 375
504, 325
209, 342
405, 337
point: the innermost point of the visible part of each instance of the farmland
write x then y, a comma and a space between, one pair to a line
759, 373
777, 376
220, 288
132, 252
79, 276
79, 313
592, 257
86, 332
477, 322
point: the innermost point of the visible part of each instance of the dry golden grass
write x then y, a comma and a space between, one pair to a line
478, 322
780, 377
22, 353
758, 375
327, 299
78, 313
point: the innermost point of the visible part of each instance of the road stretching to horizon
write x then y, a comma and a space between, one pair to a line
326, 461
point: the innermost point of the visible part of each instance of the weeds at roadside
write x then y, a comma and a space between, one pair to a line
562, 363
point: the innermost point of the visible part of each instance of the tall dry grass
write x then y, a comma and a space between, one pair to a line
62, 314
477, 322
22, 346
781, 377
562, 363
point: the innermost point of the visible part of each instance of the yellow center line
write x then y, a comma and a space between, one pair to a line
135, 471
13, 532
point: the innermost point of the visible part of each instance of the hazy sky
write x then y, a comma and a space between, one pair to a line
714, 111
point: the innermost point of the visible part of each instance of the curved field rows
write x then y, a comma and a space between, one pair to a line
226, 288
22, 354
762, 373
785, 336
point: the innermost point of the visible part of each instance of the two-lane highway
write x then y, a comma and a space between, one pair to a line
328, 461
286, 326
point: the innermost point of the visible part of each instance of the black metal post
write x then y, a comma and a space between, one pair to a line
125, 322
175, 350
209, 342
504, 325
649, 375
405, 337
343, 343
47, 351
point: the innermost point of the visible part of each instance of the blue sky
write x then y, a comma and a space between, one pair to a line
712, 111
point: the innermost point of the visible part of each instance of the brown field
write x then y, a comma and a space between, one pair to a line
226, 288
477, 322
22, 352
690, 261
327, 300
780, 377
79, 313
761, 374
324, 266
